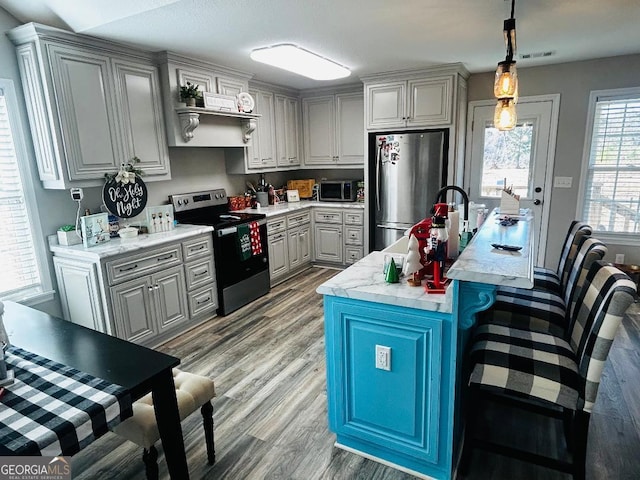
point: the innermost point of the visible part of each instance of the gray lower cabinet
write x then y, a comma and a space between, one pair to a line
339, 235
146, 307
290, 245
146, 297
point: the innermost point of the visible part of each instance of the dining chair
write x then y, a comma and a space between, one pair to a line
547, 374
548, 279
192, 392
543, 310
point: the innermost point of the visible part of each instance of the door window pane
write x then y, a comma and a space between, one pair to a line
507, 156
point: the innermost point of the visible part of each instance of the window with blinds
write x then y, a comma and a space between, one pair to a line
20, 278
611, 200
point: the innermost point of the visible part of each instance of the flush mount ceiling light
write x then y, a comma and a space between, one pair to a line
298, 60
505, 86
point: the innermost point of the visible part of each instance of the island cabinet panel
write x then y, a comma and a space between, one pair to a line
400, 415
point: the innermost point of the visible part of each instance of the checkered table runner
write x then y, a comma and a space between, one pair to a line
52, 409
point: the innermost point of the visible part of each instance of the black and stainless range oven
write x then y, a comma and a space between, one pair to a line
241, 276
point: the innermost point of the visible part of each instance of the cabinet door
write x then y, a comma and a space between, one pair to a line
318, 119
292, 128
278, 255
85, 102
230, 86
205, 80
430, 101
133, 311
253, 149
304, 243
386, 105
281, 130
170, 293
396, 409
350, 129
79, 290
141, 118
328, 244
267, 145
294, 248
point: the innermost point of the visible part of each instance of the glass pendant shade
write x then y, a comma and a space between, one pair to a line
505, 117
506, 81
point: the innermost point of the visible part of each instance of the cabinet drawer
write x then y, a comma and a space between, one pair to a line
355, 217
199, 273
297, 219
276, 225
352, 254
197, 247
353, 235
203, 300
144, 263
328, 216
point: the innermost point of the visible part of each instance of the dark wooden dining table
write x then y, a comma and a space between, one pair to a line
138, 369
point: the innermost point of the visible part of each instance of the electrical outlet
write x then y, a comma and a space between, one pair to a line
619, 257
77, 194
383, 357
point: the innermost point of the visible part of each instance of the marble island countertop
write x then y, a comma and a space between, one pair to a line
364, 280
117, 246
288, 207
480, 262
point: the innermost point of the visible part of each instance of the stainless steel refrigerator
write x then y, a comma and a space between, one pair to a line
406, 171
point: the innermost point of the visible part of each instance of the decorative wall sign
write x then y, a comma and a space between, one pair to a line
125, 200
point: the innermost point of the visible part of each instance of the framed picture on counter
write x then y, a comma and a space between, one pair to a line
95, 229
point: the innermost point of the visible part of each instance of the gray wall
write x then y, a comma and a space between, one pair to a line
574, 82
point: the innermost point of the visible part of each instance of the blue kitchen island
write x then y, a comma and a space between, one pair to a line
394, 353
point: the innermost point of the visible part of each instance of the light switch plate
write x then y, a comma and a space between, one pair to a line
562, 182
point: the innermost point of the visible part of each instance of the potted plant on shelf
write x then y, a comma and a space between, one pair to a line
189, 93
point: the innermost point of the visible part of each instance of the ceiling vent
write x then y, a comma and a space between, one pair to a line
525, 56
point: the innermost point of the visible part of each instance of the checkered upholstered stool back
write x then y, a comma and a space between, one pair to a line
603, 300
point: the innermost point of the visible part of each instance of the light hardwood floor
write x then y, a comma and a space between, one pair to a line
270, 413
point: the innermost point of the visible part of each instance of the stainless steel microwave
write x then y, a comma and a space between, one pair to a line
338, 190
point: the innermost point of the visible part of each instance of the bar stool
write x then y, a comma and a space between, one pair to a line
547, 374
192, 392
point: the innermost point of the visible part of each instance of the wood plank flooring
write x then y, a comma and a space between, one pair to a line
270, 413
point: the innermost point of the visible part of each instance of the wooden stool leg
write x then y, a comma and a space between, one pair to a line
207, 422
471, 412
567, 424
150, 459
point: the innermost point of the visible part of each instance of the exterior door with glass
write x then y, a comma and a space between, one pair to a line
520, 159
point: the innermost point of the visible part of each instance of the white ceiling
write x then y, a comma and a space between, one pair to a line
368, 36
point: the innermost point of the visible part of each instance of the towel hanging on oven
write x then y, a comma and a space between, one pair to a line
256, 242
244, 242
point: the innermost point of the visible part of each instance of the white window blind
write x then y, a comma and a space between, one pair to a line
20, 277
612, 190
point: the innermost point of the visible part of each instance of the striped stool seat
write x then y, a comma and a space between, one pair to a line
542, 310
192, 392
549, 374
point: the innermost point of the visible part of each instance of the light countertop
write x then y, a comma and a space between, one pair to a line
288, 207
479, 262
364, 280
118, 246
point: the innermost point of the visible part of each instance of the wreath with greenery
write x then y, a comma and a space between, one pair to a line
126, 174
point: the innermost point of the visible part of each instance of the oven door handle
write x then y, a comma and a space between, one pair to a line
223, 232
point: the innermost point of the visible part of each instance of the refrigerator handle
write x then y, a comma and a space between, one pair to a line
378, 161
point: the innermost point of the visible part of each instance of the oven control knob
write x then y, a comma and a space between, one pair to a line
179, 202
186, 200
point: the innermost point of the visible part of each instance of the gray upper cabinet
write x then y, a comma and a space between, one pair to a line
92, 105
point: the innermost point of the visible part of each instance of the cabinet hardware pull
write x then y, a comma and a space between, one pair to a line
197, 249
199, 274
203, 301
151, 288
128, 269
157, 287
160, 259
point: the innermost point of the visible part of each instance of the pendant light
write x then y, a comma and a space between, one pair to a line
505, 86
